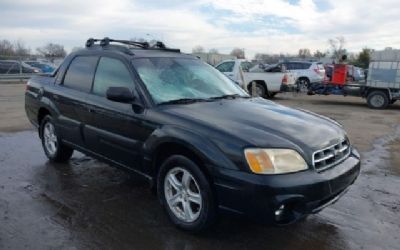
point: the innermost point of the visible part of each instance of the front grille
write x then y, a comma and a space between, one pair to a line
330, 156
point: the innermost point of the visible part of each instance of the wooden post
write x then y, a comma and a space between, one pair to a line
253, 88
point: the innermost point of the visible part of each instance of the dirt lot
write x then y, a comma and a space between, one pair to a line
86, 204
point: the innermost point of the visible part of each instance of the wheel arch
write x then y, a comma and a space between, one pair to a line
303, 77
171, 140
386, 90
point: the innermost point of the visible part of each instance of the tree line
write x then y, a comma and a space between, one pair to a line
10, 49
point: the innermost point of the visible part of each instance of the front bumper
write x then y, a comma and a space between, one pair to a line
284, 198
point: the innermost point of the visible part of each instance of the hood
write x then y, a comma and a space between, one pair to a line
260, 122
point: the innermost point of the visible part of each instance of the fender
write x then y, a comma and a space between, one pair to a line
204, 148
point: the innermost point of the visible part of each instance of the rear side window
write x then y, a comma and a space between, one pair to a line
111, 73
226, 67
80, 73
305, 65
246, 66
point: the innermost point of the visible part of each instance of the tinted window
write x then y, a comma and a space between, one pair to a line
226, 67
111, 73
80, 73
305, 65
290, 66
246, 66
275, 68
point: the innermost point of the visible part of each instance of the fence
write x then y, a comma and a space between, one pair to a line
21, 68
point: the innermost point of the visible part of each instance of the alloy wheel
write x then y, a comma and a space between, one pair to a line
183, 194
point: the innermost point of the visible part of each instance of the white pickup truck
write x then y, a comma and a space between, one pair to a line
268, 84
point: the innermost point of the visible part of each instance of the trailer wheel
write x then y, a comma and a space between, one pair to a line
378, 99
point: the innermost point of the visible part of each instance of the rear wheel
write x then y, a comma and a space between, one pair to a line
51, 142
260, 90
185, 193
378, 99
303, 84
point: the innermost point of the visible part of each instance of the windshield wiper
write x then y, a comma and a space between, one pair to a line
183, 101
233, 96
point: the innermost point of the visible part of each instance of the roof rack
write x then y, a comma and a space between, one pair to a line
144, 45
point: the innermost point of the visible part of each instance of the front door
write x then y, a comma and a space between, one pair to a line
115, 130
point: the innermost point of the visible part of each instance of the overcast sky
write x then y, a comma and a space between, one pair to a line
271, 26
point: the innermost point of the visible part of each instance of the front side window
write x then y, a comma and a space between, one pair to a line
169, 79
226, 66
111, 73
80, 73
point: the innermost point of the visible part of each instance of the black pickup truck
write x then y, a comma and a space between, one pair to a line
202, 142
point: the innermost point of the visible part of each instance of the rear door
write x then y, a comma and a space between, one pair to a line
115, 130
71, 98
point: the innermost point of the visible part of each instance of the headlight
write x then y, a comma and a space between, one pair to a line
274, 161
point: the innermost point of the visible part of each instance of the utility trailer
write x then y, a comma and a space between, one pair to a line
381, 88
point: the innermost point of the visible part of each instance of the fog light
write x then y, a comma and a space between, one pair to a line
279, 212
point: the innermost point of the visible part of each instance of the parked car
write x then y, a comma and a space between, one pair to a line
306, 72
16, 67
202, 143
268, 84
355, 73
45, 68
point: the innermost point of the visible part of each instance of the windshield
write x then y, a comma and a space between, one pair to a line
169, 79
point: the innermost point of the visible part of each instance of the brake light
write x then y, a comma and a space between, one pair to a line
285, 79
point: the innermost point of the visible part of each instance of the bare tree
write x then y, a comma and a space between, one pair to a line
198, 49
20, 49
304, 53
337, 46
213, 51
52, 50
318, 54
238, 52
6, 48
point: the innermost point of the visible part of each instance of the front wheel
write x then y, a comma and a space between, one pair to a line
378, 99
186, 195
51, 142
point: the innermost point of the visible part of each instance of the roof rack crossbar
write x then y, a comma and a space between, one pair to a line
106, 41
144, 45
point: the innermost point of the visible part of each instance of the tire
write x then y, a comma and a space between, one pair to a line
51, 142
378, 99
197, 197
303, 84
260, 90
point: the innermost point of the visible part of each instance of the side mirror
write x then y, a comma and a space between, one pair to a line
120, 94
